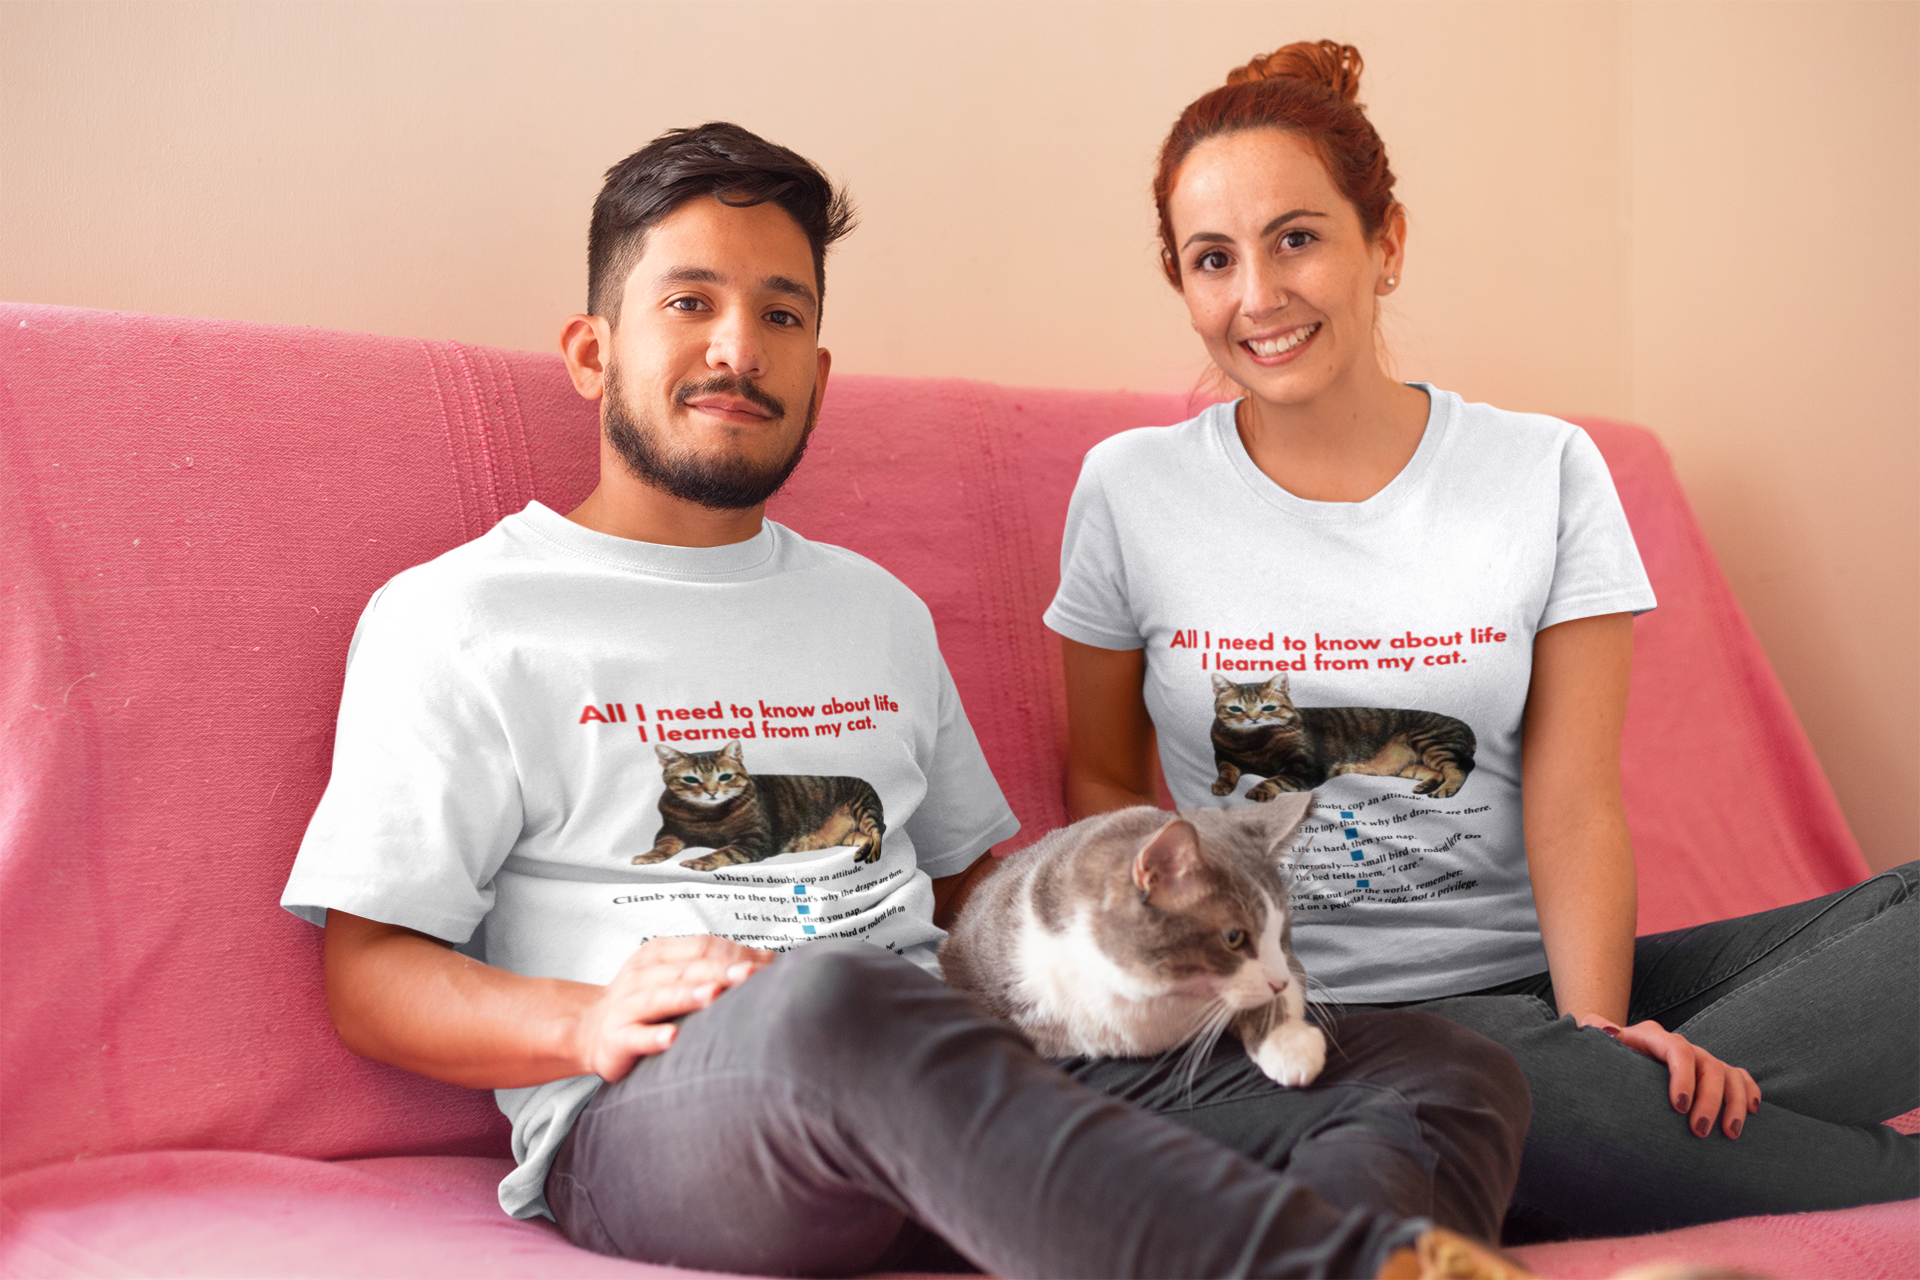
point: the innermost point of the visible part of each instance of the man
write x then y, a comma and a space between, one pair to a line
578, 734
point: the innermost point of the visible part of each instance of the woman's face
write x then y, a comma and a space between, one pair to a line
1279, 277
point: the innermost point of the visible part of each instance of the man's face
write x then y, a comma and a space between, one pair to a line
712, 386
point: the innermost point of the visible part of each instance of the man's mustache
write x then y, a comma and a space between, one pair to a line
728, 384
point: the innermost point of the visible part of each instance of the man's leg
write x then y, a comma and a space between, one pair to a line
804, 1120
1414, 1115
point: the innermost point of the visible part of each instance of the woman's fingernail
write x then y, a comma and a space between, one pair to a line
1753, 1105
1733, 1130
1702, 1125
667, 1034
1684, 1102
1612, 1031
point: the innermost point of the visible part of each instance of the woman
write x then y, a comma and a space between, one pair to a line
1378, 591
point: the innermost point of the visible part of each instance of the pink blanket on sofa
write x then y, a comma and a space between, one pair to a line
192, 515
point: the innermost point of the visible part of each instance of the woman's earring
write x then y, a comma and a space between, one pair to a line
1392, 281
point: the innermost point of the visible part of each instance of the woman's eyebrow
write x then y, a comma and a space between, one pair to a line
1219, 237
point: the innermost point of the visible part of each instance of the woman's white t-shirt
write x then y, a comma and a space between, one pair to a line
1425, 597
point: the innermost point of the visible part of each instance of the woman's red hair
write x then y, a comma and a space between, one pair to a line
1307, 89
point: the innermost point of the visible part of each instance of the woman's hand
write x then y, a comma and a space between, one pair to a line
1699, 1085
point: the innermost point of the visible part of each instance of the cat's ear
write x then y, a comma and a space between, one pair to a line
668, 756
1220, 683
731, 751
1283, 688
1167, 869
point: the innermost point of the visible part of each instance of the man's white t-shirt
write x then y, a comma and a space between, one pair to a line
499, 763
1425, 598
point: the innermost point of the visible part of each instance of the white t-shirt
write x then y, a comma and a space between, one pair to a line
499, 761
1422, 601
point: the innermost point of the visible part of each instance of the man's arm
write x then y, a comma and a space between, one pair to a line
404, 998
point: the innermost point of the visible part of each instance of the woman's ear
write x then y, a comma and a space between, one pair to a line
1392, 247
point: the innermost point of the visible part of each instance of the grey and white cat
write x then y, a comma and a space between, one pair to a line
1134, 932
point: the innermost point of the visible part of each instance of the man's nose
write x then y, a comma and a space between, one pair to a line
733, 346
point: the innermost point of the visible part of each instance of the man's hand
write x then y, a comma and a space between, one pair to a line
402, 997
1699, 1085
664, 979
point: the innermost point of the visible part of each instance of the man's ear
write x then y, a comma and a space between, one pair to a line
586, 342
824, 366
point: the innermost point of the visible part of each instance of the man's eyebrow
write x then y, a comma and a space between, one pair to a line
1217, 237
791, 287
691, 275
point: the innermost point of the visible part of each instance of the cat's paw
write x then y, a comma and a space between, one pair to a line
649, 858
1221, 787
1264, 792
1292, 1054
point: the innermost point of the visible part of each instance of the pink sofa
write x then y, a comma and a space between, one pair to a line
192, 514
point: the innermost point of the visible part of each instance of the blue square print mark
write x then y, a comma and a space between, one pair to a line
1356, 854
804, 909
799, 889
1352, 833
1347, 815
1362, 883
807, 928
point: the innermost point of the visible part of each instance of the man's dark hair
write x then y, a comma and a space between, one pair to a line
717, 159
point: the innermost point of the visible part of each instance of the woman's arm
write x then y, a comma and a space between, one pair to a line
1109, 733
1578, 852
1580, 858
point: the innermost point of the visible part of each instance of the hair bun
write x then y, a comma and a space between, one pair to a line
1337, 66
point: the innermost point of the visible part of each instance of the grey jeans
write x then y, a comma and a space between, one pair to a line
843, 1111
1820, 1001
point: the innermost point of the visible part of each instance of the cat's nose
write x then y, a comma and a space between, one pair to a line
1278, 984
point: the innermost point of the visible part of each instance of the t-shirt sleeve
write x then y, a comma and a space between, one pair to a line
423, 804
1597, 567
963, 813
1091, 605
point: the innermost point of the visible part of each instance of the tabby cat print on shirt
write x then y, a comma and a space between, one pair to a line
1257, 730
712, 802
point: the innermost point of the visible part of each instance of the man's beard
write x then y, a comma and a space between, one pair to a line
731, 482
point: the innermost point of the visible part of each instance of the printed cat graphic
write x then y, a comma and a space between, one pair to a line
1257, 730
712, 802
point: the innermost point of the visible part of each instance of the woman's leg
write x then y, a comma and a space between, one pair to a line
1817, 1000
1606, 1154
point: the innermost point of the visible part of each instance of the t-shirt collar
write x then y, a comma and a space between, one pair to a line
1439, 412
736, 559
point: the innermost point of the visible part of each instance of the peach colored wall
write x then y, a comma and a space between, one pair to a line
1699, 216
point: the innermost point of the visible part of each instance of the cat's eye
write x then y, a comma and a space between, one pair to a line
1234, 938
1236, 708
689, 777
1267, 706
726, 777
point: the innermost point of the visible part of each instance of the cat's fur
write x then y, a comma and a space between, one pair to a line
712, 802
1257, 730
1131, 933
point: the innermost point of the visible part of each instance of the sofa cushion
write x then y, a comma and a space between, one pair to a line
244, 1214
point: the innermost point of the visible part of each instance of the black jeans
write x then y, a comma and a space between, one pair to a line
842, 1111
1820, 1001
